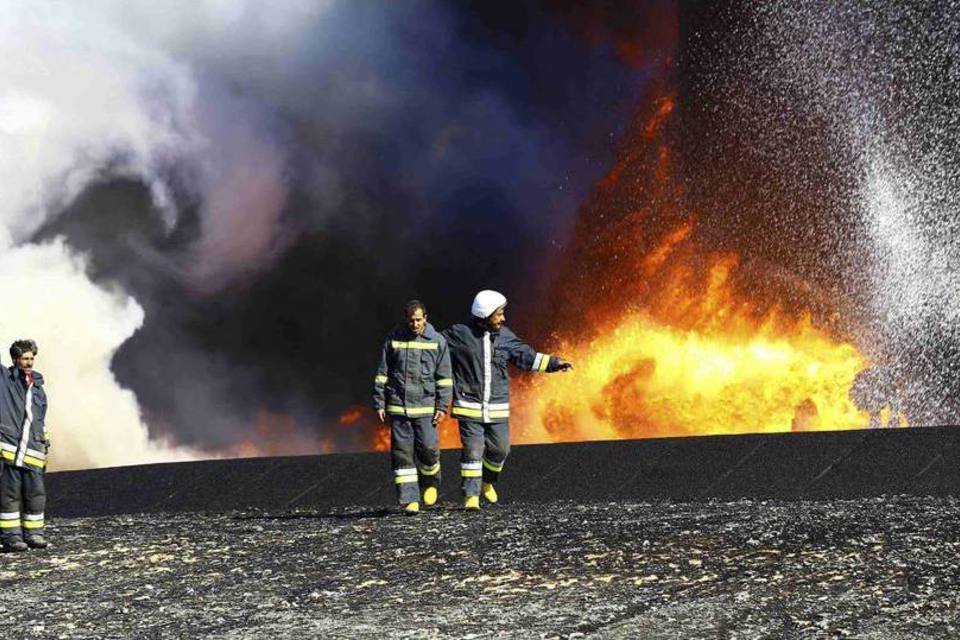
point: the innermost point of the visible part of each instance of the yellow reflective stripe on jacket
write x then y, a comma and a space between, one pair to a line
380, 379
34, 461
428, 346
478, 413
410, 411
445, 382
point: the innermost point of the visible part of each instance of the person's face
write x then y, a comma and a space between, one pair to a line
25, 361
496, 319
417, 322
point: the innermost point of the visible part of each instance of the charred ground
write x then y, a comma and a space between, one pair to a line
874, 568
859, 537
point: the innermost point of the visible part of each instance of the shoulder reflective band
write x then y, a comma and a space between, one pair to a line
428, 346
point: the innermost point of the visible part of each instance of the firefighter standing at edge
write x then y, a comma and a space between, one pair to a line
479, 353
413, 386
24, 442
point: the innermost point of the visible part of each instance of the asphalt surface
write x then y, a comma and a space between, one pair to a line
872, 568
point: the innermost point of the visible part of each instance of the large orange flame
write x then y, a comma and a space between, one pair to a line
695, 363
666, 339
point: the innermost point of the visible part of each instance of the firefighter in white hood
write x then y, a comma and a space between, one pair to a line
480, 351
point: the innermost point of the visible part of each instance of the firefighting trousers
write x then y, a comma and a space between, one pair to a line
485, 448
415, 455
22, 501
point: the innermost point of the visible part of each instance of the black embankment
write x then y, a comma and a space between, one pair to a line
786, 466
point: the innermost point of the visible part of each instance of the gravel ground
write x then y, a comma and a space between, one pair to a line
876, 568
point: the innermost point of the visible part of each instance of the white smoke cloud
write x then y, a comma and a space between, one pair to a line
94, 91
78, 326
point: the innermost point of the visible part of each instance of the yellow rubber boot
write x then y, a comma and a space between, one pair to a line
471, 503
430, 496
489, 493
413, 507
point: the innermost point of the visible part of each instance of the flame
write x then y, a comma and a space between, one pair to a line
670, 339
696, 365
672, 344
352, 415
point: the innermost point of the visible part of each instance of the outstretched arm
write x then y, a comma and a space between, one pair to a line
525, 357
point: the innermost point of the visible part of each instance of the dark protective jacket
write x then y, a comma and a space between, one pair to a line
481, 387
23, 412
413, 378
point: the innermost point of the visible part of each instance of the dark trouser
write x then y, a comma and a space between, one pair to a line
485, 447
415, 455
22, 500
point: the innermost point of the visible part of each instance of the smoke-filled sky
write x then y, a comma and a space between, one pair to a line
219, 207
212, 211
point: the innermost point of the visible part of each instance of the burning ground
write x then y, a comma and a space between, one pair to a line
876, 568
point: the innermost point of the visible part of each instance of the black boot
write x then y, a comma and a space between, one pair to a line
37, 541
11, 545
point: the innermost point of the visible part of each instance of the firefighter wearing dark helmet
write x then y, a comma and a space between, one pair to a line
480, 351
24, 442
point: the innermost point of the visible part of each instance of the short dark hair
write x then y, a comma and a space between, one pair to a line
412, 306
20, 347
